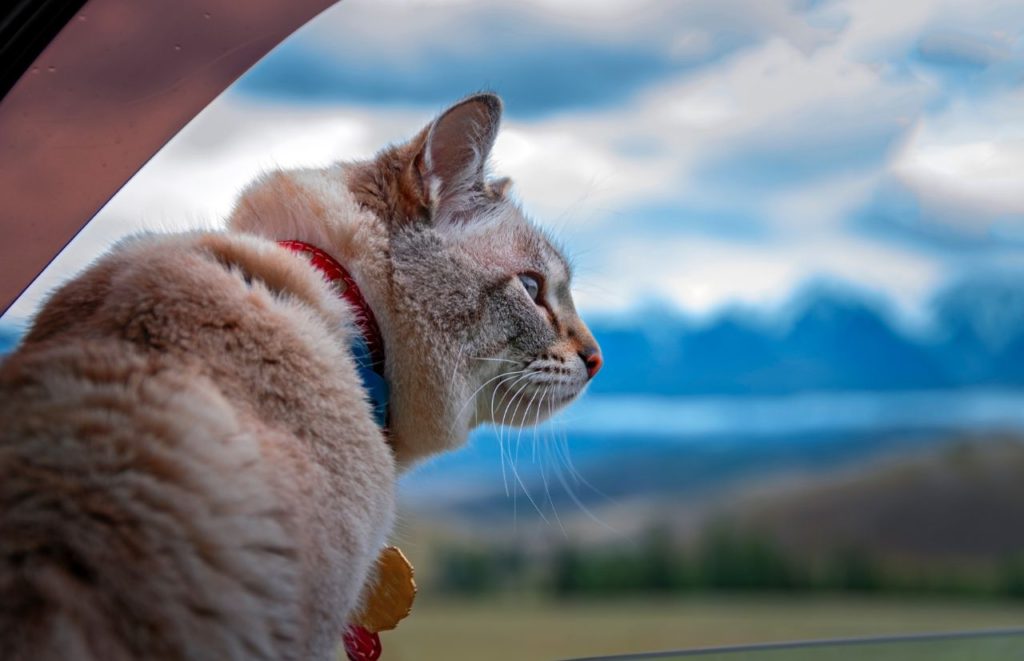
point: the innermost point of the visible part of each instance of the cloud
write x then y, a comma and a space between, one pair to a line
544, 57
773, 122
958, 180
771, 141
959, 50
957, 47
799, 118
537, 74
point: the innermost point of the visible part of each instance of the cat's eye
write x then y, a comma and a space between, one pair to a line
531, 283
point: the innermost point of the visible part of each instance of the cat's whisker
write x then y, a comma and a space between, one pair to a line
501, 426
561, 443
526, 415
564, 446
515, 397
575, 473
583, 508
501, 448
518, 399
522, 374
526, 492
540, 405
547, 486
502, 378
547, 391
515, 472
543, 392
472, 397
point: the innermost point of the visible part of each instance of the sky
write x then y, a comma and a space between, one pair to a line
700, 155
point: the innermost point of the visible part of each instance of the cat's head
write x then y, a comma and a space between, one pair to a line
473, 299
480, 301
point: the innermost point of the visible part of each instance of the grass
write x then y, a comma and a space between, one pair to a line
529, 629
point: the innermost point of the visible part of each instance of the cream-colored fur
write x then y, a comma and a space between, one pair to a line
189, 468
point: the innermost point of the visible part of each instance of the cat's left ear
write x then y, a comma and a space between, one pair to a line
454, 154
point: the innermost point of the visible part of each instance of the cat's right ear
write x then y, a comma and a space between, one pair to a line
453, 155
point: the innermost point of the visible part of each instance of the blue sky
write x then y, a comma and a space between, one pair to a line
705, 154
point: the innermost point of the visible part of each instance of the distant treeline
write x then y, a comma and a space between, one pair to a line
725, 560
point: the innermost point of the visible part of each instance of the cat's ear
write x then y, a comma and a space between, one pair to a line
454, 153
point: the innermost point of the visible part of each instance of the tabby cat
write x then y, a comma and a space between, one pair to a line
190, 467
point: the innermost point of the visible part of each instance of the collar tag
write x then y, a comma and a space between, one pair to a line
389, 602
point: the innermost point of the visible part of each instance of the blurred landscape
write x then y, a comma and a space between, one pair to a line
822, 460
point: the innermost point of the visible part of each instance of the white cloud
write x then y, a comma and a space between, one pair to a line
773, 95
881, 29
701, 274
966, 164
572, 176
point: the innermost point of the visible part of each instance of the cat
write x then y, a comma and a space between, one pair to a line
189, 462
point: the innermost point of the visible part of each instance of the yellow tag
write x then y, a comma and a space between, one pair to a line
392, 595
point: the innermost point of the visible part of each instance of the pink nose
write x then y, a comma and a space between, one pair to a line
592, 359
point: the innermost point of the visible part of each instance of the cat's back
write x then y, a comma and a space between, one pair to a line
116, 498
152, 495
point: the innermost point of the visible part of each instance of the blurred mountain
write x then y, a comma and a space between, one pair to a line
834, 341
958, 501
981, 330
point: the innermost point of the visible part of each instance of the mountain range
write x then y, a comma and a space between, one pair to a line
828, 339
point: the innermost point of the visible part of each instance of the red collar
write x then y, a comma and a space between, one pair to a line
335, 273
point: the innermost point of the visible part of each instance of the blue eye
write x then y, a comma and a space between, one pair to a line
531, 284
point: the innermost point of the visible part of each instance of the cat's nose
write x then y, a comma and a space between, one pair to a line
591, 359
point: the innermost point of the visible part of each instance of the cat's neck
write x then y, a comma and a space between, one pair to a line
310, 206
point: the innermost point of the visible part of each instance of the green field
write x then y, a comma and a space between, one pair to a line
524, 629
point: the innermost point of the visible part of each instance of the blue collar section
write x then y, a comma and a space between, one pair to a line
373, 381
